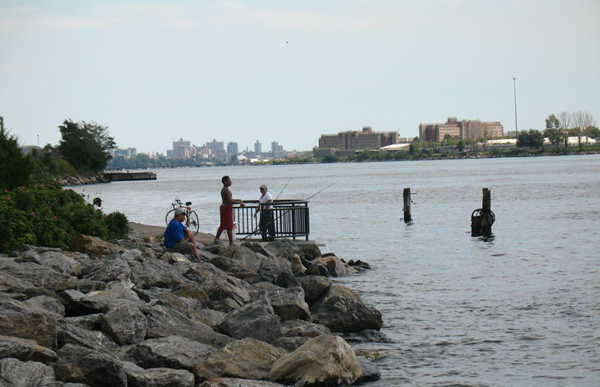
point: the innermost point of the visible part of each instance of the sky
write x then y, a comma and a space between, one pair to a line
153, 72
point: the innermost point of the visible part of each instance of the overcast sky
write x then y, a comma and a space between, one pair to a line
289, 71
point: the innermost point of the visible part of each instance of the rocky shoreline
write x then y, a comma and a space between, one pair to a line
129, 313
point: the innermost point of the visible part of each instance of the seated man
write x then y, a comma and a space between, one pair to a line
178, 238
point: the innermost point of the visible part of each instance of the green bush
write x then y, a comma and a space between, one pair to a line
47, 215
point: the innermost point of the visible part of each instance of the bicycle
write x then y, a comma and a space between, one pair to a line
191, 218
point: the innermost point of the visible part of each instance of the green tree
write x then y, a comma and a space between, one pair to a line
530, 138
552, 122
15, 168
85, 146
555, 135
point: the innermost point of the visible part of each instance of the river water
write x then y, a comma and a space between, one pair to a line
521, 308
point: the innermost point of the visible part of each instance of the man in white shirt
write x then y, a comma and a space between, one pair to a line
266, 224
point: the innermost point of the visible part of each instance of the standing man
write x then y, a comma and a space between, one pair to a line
178, 238
226, 210
266, 225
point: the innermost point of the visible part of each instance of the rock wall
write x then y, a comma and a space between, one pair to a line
130, 313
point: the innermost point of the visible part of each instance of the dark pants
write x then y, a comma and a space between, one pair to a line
267, 225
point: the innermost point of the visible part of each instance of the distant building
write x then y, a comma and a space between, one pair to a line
181, 150
127, 153
358, 140
465, 129
232, 148
257, 147
217, 148
275, 147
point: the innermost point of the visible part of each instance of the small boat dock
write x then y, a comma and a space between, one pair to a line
129, 176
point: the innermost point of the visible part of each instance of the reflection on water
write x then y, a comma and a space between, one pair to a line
519, 308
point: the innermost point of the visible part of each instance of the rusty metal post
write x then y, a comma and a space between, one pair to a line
483, 218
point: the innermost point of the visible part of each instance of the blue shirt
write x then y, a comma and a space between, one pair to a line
174, 233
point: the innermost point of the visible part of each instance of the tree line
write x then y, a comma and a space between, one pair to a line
84, 149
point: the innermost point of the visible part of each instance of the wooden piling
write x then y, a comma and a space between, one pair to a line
406, 195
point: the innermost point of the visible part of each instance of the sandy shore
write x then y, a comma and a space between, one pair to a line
145, 230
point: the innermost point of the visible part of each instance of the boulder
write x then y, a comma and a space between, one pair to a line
226, 294
165, 321
322, 361
107, 268
22, 320
282, 248
169, 352
77, 304
256, 320
160, 377
38, 275
341, 310
14, 372
233, 267
315, 287
94, 246
335, 265
94, 340
287, 303
316, 269
85, 365
47, 303
369, 371
229, 382
247, 359
24, 350
310, 251
125, 324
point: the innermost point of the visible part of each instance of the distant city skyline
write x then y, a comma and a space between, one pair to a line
291, 71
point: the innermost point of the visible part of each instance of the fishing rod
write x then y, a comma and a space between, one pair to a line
312, 196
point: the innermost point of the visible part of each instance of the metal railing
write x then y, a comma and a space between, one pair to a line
290, 218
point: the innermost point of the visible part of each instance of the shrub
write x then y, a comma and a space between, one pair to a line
47, 215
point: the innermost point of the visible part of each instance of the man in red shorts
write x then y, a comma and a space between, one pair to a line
226, 210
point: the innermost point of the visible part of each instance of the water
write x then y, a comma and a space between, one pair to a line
520, 309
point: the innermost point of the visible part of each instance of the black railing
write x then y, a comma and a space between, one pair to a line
290, 218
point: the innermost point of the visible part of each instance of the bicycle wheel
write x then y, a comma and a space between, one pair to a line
194, 222
169, 216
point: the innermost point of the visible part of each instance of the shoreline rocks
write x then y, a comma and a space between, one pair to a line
130, 313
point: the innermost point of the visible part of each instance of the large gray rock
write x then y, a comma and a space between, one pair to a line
125, 324
341, 310
314, 287
47, 303
287, 303
61, 262
94, 340
226, 294
39, 275
256, 320
15, 373
160, 377
335, 265
322, 361
84, 365
29, 322
76, 303
164, 321
24, 350
237, 382
94, 246
233, 267
246, 359
106, 268
169, 352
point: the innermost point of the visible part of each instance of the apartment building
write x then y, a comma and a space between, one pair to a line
366, 138
467, 129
